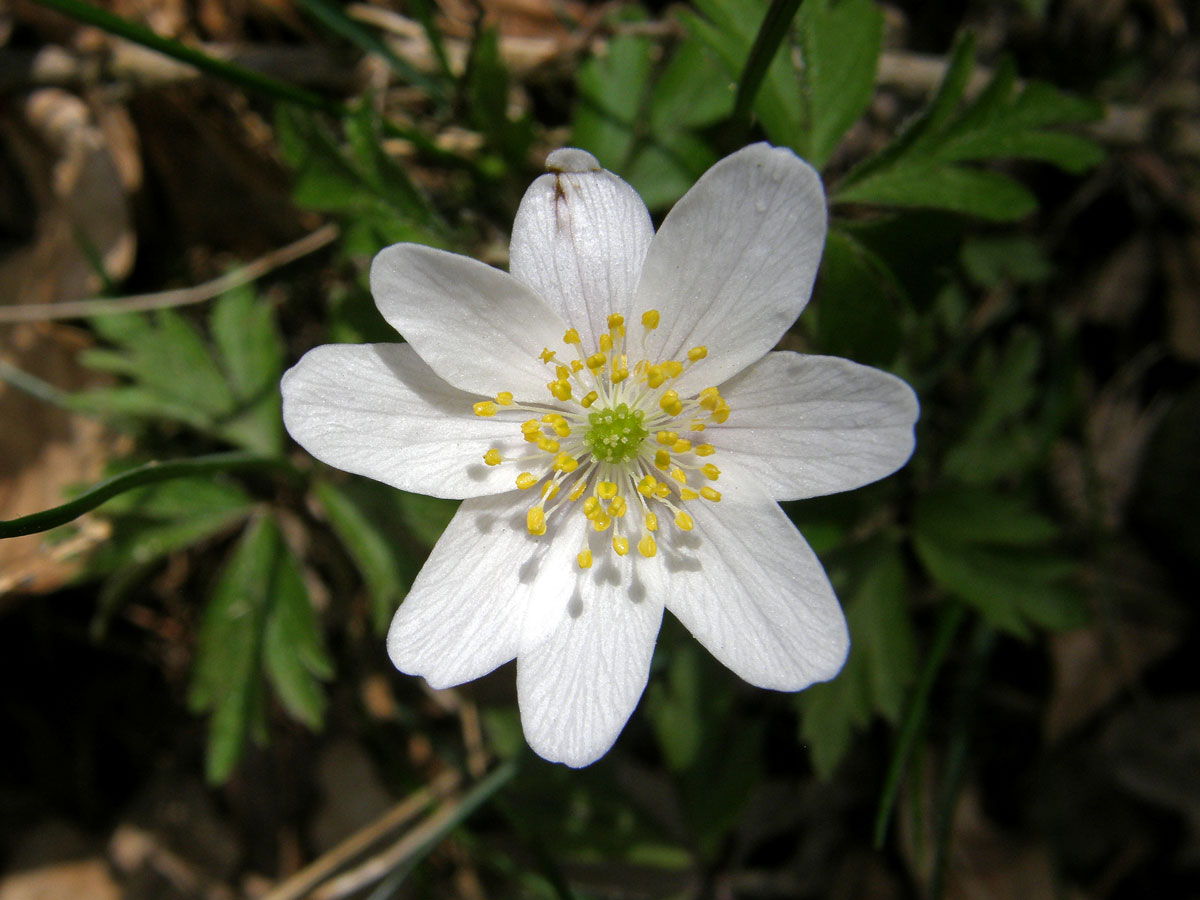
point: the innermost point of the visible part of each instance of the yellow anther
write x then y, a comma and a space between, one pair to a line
651, 522
688, 494
576, 366
564, 462
673, 368
505, 398
696, 426
535, 520
606, 490
548, 444
683, 445
547, 355
526, 480
562, 373
711, 472
646, 486
596, 361
647, 547
591, 506
605, 343
485, 408
704, 449
601, 522
650, 319
621, 545
655, 376
588, 399
709, 494
666, 438
550, 490
560, 389
530, 426
584, 558
709, 398
492, 457
571, 337
683, 521
670, 403
662, 460
533, 436
697, 353
561, 427
679, 475
662, 490
619, 375
721, 413
578, 489
616, 323
618, 507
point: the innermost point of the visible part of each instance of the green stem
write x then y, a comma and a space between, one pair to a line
142, 475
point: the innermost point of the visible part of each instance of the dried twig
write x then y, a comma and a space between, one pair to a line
77, 309
401, 814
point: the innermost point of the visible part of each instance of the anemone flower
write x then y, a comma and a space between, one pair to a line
619, 428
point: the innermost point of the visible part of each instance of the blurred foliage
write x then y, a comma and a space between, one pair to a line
905, 267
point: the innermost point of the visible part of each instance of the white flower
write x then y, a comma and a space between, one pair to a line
620, 430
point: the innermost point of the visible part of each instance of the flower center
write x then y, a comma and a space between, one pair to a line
616, 435
612, 439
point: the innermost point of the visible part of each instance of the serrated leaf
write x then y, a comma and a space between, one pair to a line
371, 551
927, 185
841, 50
250, 350
612, 92
293, 653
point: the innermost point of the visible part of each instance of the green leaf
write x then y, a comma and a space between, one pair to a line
226, 679
294, 654
488, 91
612, 93
729, 27
372, 552
994, 553
856, 316
771, 35
426, 517
258, 621
921, 168
251, 354
841, 51
879, 670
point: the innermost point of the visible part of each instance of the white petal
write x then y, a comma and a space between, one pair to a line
578, 688
377, 410
804, 426
734, 262
751, 590
579, 240
479, 328
466, 612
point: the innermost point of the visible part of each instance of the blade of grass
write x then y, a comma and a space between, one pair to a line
914, 718
770, 35
142, 475
139, 34
334, 17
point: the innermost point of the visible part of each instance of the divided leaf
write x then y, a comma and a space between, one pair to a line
922, 167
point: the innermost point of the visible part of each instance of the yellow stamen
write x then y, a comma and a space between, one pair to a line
683, 521
621, 545
650, 319
711, 472
688, 494
647, 547
547, 354
571, 337
673, 368
681, 446
535, 520
606, 343
670, 403
601, 522
666, 438
697, 353
709, 494
564, 462
547, 444
492, 457
589, 398
505, 398
606, 490
618, 507
526, 480
678, 474
704, 449
662, 460
651, 522
560, 389
485, 408
584, 558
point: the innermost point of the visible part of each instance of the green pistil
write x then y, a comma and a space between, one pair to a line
615, 435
